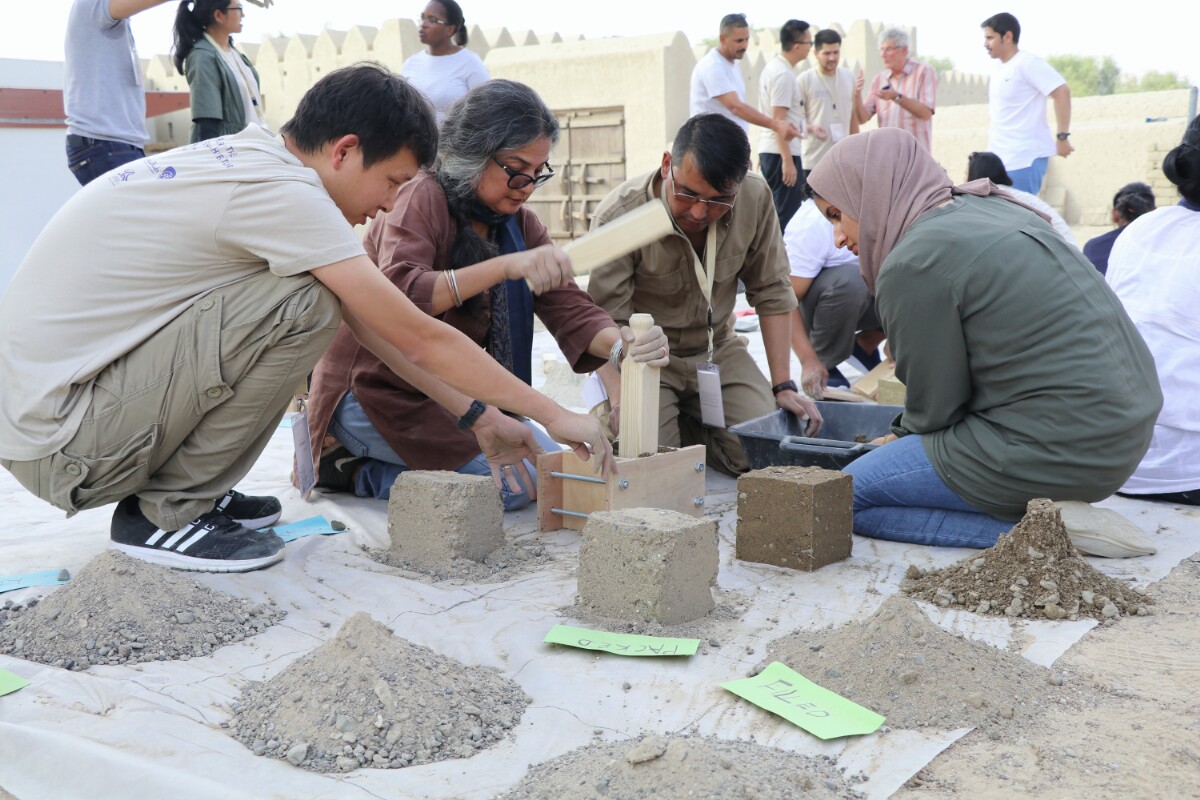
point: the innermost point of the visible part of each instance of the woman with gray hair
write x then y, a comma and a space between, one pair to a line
461, 243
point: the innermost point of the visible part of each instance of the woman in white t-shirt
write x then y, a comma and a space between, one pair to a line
224, 84
446, 69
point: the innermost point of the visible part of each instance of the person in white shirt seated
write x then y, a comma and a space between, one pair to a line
1153, 270
446, 70
836, 314
988, 165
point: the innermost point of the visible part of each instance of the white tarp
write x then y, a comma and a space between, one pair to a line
113, 732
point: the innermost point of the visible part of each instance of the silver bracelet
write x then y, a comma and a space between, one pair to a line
614, 354
452, 282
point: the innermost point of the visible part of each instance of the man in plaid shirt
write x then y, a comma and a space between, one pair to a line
904, 94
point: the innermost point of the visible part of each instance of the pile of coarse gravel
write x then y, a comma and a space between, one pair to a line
121, 610
1032, 571
369, 699
683, 766
898, 663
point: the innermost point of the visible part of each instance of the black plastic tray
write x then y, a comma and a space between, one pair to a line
778, 439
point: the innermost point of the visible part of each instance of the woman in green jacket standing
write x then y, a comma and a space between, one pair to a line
223, 83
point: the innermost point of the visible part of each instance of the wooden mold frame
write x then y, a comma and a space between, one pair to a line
569, 489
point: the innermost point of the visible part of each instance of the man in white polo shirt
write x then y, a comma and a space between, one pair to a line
779, 97
1018, 131
719, 88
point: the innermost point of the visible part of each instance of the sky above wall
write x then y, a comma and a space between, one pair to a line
1156, 35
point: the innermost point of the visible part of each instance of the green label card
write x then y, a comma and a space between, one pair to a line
789, 694
622, 644
9, 682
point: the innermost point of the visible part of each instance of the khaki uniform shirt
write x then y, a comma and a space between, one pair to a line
660, 278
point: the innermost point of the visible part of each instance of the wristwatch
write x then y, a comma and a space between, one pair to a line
786, 386
615, 354
472, 416
1062, 137
899, 97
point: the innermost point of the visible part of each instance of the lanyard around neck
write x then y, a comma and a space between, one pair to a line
706, 273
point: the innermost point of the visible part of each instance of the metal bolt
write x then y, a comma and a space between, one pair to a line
623, 484
699, 501
699, 466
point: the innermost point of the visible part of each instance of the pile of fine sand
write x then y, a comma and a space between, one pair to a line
1033, 571
121, 610
368, 699
898, 663
682, 766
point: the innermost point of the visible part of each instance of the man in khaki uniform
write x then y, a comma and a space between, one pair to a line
725, 230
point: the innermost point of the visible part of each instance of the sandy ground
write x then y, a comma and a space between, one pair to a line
1131, 729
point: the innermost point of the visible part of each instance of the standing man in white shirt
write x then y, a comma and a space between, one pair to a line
1019, 132
779, 98
830, 94
719, 88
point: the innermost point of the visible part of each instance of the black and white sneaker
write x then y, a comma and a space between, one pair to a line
213, 542
250, 511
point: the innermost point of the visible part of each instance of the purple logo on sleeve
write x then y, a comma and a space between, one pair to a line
167, 173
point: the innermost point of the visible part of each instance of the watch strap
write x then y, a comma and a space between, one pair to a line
785, 387
472, 416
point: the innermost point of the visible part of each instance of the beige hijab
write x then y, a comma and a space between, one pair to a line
886, 180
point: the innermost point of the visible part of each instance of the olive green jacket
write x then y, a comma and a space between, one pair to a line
214, 88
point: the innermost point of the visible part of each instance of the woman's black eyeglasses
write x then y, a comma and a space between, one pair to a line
519, 180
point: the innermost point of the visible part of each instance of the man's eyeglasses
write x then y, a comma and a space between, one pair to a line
238, 9
890, 49
431, 20
691, 199
519, 180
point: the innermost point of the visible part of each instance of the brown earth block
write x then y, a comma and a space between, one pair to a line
648, 564
436, 517
795, 517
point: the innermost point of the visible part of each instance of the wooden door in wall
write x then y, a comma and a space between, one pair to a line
589, 162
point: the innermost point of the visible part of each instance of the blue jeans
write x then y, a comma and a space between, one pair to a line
899, 496
88, 159
1030, 178
354, 430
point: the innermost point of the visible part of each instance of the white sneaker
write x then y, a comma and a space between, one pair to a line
1103, 532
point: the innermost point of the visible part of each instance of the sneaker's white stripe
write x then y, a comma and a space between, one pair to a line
200, 534
158, 534
179, 534
225, 501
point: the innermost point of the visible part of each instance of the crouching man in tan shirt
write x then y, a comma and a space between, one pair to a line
725, 231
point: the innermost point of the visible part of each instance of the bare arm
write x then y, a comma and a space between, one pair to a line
1062, 116
376, 309
755, 117
788, 167
546, 267
813, 375
124, 9
776, 334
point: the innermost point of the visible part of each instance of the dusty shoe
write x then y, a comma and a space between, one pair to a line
213, 542
1103, 532
249, 510
336, 470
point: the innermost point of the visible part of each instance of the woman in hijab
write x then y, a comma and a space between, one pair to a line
462, 244
1025, 377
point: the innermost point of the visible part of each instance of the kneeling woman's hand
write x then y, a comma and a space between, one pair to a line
650, 348
543, 268
891, 437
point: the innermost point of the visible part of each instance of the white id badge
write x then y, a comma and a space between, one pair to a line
304, 457
837, 131
712, 409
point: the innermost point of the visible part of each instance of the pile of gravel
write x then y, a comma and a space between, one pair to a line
898, 663
368, 699
1033, 571
121, 610
683, 766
